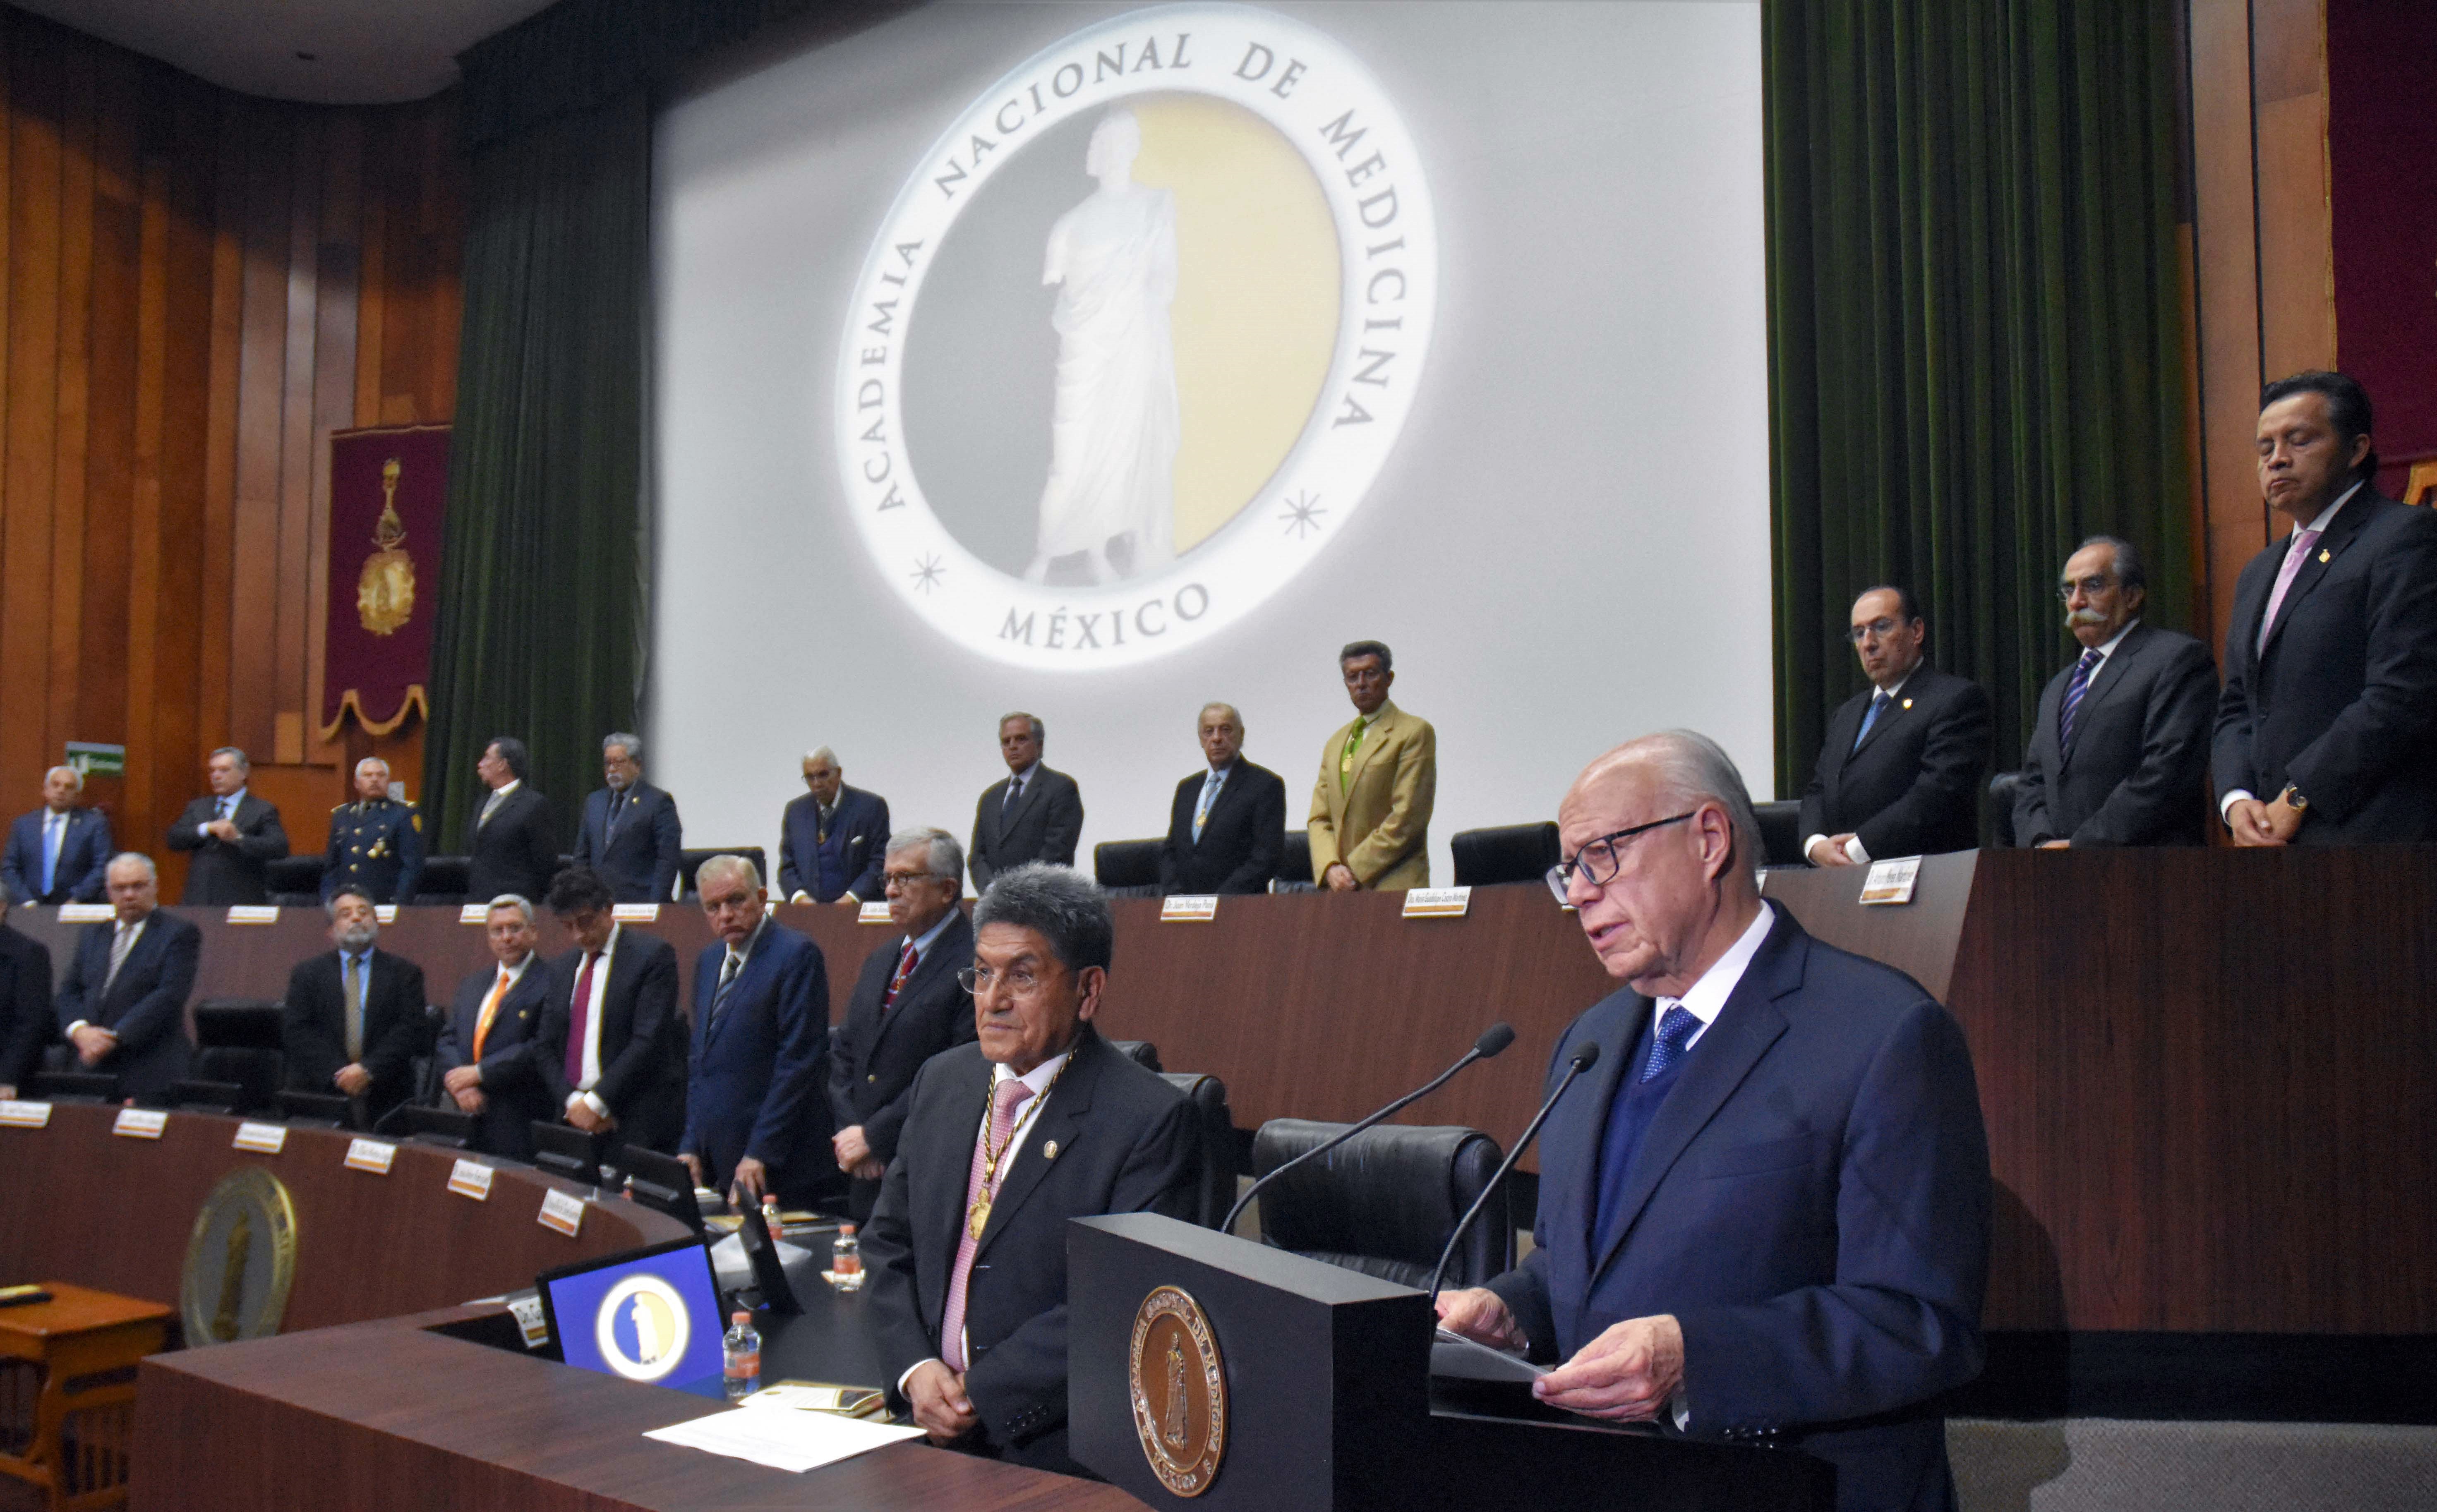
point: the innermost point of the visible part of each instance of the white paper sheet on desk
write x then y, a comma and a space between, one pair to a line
783, 1440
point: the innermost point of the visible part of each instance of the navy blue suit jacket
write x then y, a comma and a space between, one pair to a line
1811, 1203
515, 1091
85, 854
759, 1068
859, 835
146, 1006
639, 862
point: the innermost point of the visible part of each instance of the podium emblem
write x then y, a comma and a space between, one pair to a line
240, 1261
1179, 1390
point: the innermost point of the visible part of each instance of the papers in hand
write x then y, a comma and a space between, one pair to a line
791, 1441
1461, 1358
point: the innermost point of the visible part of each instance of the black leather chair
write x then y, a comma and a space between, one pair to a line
1508, 853
1781, 832
1141, 1052
1128, 868
1295, 864
236, 1042
690, 861
1208, 1096
2002, 790
444, 882
227, 1099
1384, 1202
295, 882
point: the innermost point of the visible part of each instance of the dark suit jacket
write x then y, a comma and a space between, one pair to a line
146, 1006
1241, 840
859, 835
515, 1091
223, 873
639, 862
516, 851
1125, 1142
2138, 773
313, 1028
1811, 1202
84, 855
25, 1022
759, 1065
642, 1039
2343, 702
1047, 821
872, 1064
1913, 787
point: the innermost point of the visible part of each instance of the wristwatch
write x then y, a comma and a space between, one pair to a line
2294, 799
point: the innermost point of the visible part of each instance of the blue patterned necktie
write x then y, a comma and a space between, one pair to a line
1878, 703
1209, 796
2073, 692
1677, 1027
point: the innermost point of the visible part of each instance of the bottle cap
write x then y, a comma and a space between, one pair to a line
845, 1229
739, 1317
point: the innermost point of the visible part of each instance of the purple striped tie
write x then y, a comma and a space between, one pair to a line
2072, 691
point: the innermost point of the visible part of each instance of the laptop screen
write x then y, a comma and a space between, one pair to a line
649, 1314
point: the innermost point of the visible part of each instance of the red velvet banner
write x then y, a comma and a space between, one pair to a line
389, 493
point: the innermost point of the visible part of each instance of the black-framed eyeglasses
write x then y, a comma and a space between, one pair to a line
2089, 587
1600, 860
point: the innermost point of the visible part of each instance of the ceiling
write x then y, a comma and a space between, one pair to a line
363, 52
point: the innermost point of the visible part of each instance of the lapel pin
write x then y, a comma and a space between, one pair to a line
2322, 555
1051, 1151
1907, 703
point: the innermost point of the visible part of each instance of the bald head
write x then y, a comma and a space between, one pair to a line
1660, 844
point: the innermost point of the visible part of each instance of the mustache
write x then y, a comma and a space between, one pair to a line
2079, 617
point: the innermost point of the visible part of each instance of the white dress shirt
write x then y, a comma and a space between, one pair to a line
1707, 996
584, 1092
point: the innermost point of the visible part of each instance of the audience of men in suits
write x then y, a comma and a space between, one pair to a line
1370, 822
122, 1003
1899, 773
56, 854
757, 1117
376, 842
2326, 729
487, 1050
511, 844
1031, 815
26, 1025
1037, 1123
352, 1022
630, 833
612, 1044
830, 838
1226, 830
234, 834
2120, 745
908, 1005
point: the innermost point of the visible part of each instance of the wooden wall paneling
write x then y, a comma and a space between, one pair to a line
100, 673
334, 392
295, 536
2297, 290
160, 688
2226, 256
33, 294
372, 284
253, 679
216, 572
72, 402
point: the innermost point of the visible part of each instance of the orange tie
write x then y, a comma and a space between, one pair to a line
490, 1007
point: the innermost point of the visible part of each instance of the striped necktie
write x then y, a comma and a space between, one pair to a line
897, 982
1209, 796
2083, 673
490, 1011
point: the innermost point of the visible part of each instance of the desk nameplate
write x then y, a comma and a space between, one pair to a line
21, 1115
470, 1178
262, 1138
561, 1212
139, 1123
1438, 902
371, 1157
1189, 908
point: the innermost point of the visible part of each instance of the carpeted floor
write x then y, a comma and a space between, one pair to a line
2107, 1464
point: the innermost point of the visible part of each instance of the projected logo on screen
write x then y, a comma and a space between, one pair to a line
1137, 337
642, 1328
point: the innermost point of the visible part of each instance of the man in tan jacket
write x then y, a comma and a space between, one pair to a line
1379, 777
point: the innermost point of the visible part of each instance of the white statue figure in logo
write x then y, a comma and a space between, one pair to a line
647, 1334
1111, 491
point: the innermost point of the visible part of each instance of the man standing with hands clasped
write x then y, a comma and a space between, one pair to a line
1370, 824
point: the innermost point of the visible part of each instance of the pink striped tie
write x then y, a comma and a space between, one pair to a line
2294, 557
1009, 1096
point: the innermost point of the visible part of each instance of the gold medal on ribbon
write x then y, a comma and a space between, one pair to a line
977, 1218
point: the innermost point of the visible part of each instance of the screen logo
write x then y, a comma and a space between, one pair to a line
642, 1328
1137, 337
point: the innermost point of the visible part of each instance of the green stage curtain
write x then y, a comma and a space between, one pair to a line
1977, 322
543, 610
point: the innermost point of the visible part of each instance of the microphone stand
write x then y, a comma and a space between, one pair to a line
1581, 1061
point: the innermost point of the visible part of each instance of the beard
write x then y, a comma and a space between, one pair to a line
357, 940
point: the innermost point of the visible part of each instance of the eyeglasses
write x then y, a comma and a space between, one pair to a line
1020, 983
2088, 588
1600, 861
1880, 628
889, 879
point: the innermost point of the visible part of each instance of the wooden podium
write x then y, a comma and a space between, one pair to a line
1211, 1373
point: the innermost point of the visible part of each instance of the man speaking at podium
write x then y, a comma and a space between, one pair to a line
1764, 1216
1039, 1122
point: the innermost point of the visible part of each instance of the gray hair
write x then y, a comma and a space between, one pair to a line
822, 752
73, 772
633, 745
728, 864
138, 857
1040, 732
1059, 904
942, 856
1693, 769
1233, 713
371, 762
517, 901
242, 763
2129, 572
331, 908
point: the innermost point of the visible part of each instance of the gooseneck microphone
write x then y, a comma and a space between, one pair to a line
1579, 1062
1493, 1039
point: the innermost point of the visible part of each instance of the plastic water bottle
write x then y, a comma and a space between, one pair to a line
846, 1261
743, 1347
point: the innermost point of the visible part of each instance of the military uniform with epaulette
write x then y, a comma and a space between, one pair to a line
375, 845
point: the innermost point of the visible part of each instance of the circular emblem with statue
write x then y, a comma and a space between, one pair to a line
1179, 1390
240, 1261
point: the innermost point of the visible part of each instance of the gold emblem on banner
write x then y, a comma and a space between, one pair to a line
385, 590
1179, 1390
240, 1261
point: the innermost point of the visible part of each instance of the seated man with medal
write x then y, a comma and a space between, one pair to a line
1009, 1137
